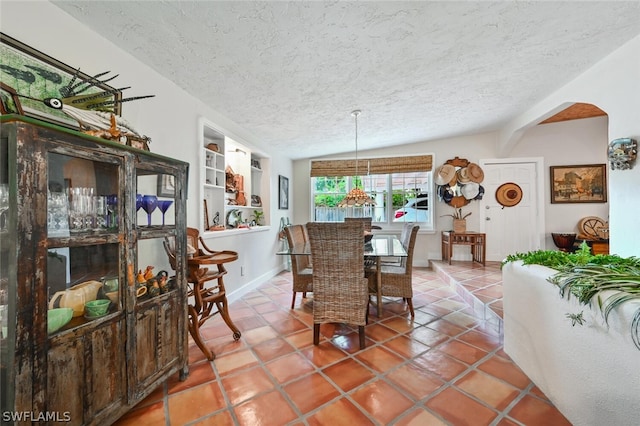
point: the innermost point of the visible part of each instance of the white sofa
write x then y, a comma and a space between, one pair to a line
590, 372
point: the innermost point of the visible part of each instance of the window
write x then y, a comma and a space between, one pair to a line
400, 197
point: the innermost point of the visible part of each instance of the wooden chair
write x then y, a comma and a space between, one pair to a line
301, 269
206, 286
340, 290
396, 280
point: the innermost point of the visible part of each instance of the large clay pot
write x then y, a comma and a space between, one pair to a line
90, 289
76, 296
74, 299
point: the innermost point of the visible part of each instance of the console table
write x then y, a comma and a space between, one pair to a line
475, 240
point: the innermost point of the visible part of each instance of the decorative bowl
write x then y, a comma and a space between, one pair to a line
96, 308
58, 318
564, 241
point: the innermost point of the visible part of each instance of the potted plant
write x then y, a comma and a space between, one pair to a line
257, 216
586, 276
459, 220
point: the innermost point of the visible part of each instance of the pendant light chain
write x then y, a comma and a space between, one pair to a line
356, 113
356, 197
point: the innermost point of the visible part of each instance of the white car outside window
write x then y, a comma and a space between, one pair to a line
415, 210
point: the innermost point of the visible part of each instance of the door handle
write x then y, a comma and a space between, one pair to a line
487, 218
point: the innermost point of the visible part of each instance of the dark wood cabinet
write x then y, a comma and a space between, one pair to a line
73, 223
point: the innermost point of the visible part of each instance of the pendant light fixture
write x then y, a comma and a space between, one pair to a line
356, 197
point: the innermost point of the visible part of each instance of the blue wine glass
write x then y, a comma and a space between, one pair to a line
138, 202
149, 204
164, 205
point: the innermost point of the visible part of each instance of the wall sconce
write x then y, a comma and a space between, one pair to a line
622, 153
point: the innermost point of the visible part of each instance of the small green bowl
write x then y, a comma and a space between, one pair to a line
96, 308
58, 318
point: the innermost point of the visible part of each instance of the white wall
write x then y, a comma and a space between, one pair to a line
566, 143
170, 119
613, 84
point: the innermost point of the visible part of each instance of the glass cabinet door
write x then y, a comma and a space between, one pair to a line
156, 224
7, 275
84, 219
155, 200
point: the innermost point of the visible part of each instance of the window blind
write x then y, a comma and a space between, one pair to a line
371, 166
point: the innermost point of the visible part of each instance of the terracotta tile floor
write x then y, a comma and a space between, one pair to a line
446, 367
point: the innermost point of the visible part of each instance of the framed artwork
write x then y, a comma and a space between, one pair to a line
35, 76
283, 192
166, 186
579, 184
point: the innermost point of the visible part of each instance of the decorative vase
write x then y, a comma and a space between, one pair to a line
459, 226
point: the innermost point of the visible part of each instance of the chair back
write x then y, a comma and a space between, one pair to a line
406, 234
366, 221
407, 262
296, 236
340, 289
192, 240
170, 249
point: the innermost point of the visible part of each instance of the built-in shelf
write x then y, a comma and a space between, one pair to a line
221, 154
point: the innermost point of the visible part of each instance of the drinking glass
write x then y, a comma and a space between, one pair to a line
164, 205
149, 204
112, 209
57, 215
76, 209
88, 208
102, 217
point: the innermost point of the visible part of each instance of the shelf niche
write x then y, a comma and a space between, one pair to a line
221, 153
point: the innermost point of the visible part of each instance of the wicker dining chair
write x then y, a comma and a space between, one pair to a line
404, 239
340, 289
301, 269
396, 280
365, 220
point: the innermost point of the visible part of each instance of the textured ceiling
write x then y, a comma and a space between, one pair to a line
290, 73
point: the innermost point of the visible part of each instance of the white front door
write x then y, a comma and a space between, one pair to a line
516, 229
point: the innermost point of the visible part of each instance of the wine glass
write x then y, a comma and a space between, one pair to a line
138, 204
164, 205
149, 204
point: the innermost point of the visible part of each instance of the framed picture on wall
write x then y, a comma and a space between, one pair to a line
283, 192
166, 186
579, 184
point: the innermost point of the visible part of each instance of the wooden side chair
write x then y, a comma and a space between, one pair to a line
396, 280
206, 286
301, 269
340, 289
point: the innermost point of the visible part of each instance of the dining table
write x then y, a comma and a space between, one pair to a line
381, 247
